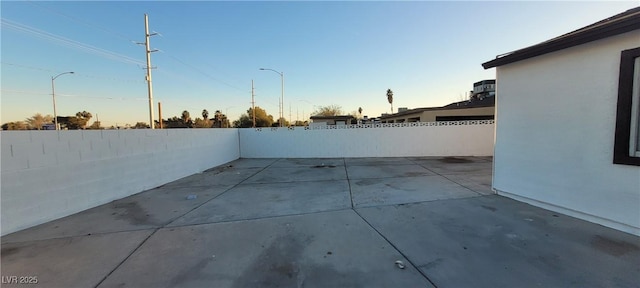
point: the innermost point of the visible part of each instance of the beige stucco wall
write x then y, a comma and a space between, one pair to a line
430, 115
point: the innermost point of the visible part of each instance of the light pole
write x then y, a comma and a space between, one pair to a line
281, 106
53, 94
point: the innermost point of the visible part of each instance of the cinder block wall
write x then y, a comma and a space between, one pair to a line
48, 174
51, 174
445, 140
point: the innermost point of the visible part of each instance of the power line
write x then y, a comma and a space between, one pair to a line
101, 77
202, 72
69, 42
23, 92
29, 67
69, 95
121, 36
102, 52
99, 97
83, 22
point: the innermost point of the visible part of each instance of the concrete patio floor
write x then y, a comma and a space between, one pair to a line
324, 223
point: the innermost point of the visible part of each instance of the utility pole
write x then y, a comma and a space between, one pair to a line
253, 104
282, 97
160, 113
149, 51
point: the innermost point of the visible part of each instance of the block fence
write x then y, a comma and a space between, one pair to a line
51, 174
456, 138
48, 175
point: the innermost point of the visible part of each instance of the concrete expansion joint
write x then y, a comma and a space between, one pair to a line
396, 248
346, 171
250, 219
128, 256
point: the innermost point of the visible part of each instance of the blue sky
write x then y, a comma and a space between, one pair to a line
343, 53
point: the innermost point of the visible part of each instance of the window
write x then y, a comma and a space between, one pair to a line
627, 134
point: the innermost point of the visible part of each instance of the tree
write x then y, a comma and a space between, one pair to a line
140, 125
220, 120
205, 114
174, 122
246, 120
202, 123
18, 125
79, 121
37, 121
331, 110
83, 118
96, 125
390, 98
186, 119
284, 121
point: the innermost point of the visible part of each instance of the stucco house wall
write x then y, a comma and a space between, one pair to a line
430, 115
555, 122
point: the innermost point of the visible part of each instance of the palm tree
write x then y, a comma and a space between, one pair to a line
185, 116
205, 114
390, 98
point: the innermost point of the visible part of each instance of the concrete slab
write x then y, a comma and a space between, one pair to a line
456, 165
387, 191
480, 183
223, 175
492, 241
298, 174
252, 162
294, 226
332, 249
252, 201
295, 162
373, 161
150, 209
386, 171
68, 262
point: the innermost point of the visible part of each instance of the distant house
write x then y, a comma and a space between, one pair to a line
331, 120
480, 106
484, 87
567, 123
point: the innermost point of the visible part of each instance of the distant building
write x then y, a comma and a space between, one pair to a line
331, 120
49, 126
484, 88
480, 106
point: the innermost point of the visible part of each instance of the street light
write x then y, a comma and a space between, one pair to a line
281, 93
53, 94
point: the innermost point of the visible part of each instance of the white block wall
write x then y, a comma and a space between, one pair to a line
452, 140
555, 127
49, 174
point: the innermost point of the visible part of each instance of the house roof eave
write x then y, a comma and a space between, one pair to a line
622, 23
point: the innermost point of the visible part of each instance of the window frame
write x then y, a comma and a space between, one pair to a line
624, 114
